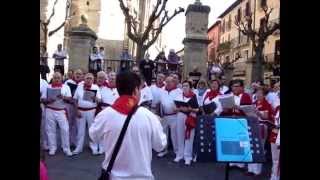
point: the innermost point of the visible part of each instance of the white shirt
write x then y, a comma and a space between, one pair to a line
224, 89
94, 57
199, 98
156, 91
144, 133
69, 81
59, 56
59, 104
277, 122
43, 86
167, 100
78, 95
108, 95
273, 99
206, 101
145, 95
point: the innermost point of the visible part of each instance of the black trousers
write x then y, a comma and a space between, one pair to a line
43, 72
104, 175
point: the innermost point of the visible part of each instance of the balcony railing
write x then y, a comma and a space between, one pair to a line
243, 41
163, 67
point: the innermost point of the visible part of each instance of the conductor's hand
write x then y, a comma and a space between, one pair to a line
50, 100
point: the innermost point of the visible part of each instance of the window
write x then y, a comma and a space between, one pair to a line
263, 3
239, 15
223, 26
248, 9
246, 54
239, 37
229, 23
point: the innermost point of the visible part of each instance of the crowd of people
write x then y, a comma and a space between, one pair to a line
97, 59
83, 102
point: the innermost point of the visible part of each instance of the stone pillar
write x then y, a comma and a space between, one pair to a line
81, 41
196, 41
43, 11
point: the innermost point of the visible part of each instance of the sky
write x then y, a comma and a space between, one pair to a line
175, 29
111, 24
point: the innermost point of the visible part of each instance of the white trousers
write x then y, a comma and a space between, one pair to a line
53, 118
87, 117
185, 146
171, 122
275, 162
44, 137
72, 114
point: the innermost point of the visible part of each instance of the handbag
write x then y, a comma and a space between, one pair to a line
105, 174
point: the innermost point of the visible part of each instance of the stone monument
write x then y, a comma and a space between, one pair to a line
196, 41
81, 41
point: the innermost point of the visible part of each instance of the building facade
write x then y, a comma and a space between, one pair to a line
214, 37
236, 47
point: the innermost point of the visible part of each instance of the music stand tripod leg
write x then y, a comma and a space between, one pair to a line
226, 176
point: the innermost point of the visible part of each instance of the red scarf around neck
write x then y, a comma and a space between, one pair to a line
77, 82
170, 89
109, 85
212, 94
190, 94
56, 85
160, 85
87, 87
124, 104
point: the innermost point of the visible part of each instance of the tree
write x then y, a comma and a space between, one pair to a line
45, 23
258, 37
144, 38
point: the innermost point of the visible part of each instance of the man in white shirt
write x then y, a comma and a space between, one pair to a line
56, 113
169, 111
72, 111
87, 96
144, 132
44, 137
108, 89
59, 55
156, 90
145, 95
95, 61
223, 87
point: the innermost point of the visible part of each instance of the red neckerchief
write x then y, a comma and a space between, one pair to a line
160, 85
170, 89
190, 94
245, 99
87, 87
56, 85
109, 86
77, 81
124, 104
212, 94
263, 105
191, 123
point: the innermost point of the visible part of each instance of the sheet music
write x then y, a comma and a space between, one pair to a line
249, 110
89, 96
227, 101
53, 93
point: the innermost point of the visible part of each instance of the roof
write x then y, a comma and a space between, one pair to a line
230, 8
215, 24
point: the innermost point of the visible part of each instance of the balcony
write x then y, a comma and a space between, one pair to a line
224, 47
243, 41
